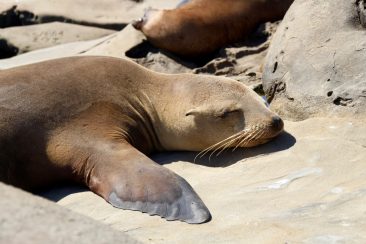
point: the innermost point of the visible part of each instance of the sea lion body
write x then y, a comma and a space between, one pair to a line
93, 119
202, 26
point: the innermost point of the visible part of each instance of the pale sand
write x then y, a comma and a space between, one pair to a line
310, 189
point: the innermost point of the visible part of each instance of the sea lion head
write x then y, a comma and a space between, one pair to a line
213, 113
151, 16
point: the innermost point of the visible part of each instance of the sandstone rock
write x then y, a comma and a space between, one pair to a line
112, 14
33, 37
307, 186
114, 45
316, 62
59, 51
118, 44
241, 61
25, 218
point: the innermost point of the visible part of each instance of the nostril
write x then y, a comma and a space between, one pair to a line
277, 123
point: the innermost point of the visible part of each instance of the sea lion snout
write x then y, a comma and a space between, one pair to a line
277, 123
148, 15
137, 24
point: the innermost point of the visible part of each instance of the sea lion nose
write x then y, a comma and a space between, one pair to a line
277, 123
137, 24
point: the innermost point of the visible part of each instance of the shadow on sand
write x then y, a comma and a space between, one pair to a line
282, 142
229, 157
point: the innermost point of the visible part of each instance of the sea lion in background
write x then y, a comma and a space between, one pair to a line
202, 26
93, 120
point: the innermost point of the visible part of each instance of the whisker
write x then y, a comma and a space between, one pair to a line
221, 146
228, 144
247, 138
250, 138
239, 139
258, 134
203, 152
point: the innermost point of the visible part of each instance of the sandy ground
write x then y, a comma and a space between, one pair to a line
307, 186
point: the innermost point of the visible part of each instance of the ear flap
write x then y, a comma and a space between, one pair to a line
194, 111
200, 110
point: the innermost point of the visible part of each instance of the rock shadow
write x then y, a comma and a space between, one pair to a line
283, 142
142, 50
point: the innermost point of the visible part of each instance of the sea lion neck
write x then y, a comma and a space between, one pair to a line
169, 114
153, 103
133, 92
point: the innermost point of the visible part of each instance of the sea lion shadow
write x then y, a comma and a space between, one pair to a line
58, 192
283, 142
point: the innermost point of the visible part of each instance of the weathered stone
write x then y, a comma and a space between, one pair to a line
59, 51
242, 61
113, 45
25, 218
316, 62
33, 37
112, 14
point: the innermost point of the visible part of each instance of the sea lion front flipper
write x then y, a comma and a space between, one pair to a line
130, 180
91, 146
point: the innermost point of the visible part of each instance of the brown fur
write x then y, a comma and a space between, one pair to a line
202, 26
93, 119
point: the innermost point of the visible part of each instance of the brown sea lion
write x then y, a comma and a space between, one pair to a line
93, 120
202, 26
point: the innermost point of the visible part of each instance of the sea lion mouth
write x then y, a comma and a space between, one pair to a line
251, 136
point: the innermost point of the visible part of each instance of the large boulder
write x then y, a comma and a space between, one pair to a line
25, 218
316, 61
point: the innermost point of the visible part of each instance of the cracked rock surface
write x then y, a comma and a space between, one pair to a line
316, 62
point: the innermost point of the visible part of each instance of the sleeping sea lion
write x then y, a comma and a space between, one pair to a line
202, 26
93, 120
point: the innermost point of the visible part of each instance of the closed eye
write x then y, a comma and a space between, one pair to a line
226, 113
